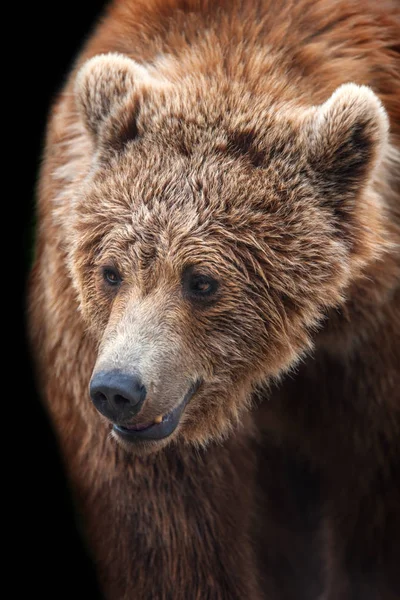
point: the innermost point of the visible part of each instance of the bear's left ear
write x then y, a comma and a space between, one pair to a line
346, 137
102, 86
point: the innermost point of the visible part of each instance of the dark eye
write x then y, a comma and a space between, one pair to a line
198, 286
111, 276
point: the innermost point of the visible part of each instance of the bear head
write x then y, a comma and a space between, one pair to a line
213, 232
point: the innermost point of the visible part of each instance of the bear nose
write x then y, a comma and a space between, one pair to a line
116, 395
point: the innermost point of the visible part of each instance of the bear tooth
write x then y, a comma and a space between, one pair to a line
158, 419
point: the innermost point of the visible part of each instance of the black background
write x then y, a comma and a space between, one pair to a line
52, 560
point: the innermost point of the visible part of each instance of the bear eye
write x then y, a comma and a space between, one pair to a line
111, 276
198, 286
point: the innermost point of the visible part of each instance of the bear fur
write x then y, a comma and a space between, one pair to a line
256, 143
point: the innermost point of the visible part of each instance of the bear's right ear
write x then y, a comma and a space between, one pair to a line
102, 84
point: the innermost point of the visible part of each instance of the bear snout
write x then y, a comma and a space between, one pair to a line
117, 395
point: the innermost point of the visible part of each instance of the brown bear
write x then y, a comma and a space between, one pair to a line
218, 228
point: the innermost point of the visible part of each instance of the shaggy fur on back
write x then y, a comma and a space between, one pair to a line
258, 143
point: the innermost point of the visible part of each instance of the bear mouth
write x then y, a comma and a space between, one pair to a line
160, 428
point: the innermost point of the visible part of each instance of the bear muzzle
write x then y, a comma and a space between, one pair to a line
120, 398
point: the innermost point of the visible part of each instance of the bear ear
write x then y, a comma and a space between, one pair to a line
346, 137
102, 84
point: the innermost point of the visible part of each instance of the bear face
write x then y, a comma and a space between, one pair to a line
210, 239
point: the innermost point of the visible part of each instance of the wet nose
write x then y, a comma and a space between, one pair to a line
116, 395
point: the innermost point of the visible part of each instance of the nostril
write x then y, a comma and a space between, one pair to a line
99, 399
120, 400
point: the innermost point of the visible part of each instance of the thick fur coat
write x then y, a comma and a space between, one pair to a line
235, 167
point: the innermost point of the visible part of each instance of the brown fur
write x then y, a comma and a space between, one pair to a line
229, 146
